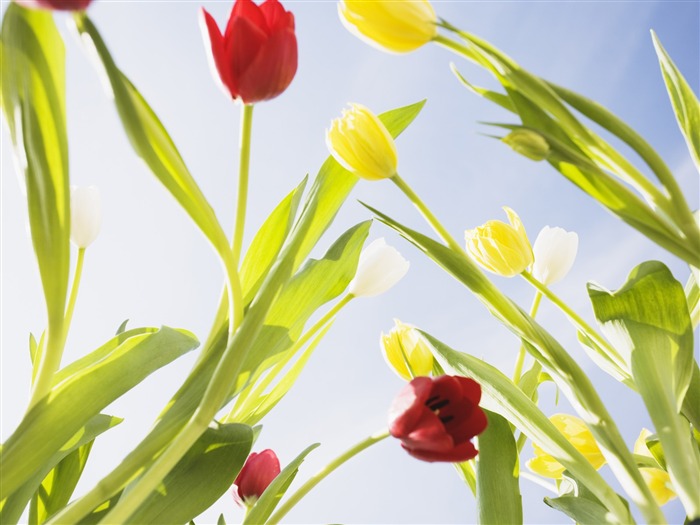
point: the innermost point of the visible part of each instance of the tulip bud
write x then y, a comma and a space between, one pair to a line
501, 248
361, 144
555, 251
380, 267
390, 25
436, 417
58, 5
658, 480
576, 431
255, 476
85, 215
256, 57
406, 351
528, 143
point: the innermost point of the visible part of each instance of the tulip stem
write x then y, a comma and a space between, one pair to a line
243, 171
602, 347
321, 474
517, 374
74, 290
427, 214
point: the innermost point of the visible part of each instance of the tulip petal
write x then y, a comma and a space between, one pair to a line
216, 54
276, 16
245, 10
470, 389
242, 46
428, 434
407, 408
463, 452
271, 70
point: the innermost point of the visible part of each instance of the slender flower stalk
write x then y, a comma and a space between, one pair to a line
314, 480
243, 173
74, 289
517, 374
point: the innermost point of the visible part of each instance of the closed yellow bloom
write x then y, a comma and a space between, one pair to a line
390, 25
501, 248
658, 480
406, 351
576, 431
361, 144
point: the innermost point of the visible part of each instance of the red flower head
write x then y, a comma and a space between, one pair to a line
255, 476
435, 418
256, 58
61, 5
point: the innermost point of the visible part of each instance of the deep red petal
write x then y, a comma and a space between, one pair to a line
465, 420
246, 10
460, 453
408, 406
242, 47
272, 70
61, 5
447, 387
257, 474
429, 434
276, 16
470, 389
217, 53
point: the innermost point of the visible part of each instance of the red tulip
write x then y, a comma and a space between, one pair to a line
256, 58
61, 5
435, 418
255, 476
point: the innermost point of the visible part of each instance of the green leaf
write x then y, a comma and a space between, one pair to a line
501, 396
33, 101
49, 425
580, 504
683, 100
122, 327
497, 473
648, 318
199, 479
221, 520
269, 499
15, 504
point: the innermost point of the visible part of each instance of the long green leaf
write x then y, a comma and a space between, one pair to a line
497, 473
580, 504
49, 425
648, 318
200, 478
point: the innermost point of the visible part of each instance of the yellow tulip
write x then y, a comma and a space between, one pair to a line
390, 25
501, 248
361, 144
576, 431
406, 351
658, 480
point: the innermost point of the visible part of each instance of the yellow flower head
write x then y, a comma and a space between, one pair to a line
578, 435
658, 480
390, 25
361, 144
501, 248
406, 351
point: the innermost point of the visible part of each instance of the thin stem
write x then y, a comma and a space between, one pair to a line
517, 374
243, 172
427, 214
74, 290
608, 351
321, 474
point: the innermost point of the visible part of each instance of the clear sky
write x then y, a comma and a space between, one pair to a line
151, 265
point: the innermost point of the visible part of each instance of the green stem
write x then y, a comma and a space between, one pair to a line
427, 214
321, 474
521, 355
606, 351
50, 357
243, 172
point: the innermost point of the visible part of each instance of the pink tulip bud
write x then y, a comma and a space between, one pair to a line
255, 476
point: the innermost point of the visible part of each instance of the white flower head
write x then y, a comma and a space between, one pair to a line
85, 215
555, 250
380, 267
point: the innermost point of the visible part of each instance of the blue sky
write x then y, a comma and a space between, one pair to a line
150, 264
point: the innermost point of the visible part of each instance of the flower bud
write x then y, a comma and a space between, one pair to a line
390, 25
658, 480
361, 144
406, 351
528, 143
256, 57
85, 215
380, 267
255, 476
555, 250
501, 248
57, 5
576, 431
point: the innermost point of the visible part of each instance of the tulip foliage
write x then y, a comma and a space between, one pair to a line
455, 407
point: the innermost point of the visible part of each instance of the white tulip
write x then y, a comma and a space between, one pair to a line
555, 250
85, 215
380, 267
